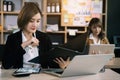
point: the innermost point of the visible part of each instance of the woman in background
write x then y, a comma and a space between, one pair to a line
96, 32
96, 35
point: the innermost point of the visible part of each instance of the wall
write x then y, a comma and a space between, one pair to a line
113, 24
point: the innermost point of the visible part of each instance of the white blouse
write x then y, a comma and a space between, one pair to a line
93, 38
31, 52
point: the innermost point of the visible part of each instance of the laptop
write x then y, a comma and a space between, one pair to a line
83, 65
101, 49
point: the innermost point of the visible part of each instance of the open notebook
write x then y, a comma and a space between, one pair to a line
58, 52
83, 65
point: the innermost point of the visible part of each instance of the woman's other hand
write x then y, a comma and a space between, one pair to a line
62, 63
96, 52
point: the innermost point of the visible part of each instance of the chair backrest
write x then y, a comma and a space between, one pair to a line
1, 50
116, 41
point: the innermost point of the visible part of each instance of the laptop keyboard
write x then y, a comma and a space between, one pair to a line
58, 71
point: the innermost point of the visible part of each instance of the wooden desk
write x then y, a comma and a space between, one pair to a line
107, 75
114, 63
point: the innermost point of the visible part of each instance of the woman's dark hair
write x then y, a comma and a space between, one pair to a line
27, 12
96, 22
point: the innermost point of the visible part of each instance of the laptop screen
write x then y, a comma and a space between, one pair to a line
87, 64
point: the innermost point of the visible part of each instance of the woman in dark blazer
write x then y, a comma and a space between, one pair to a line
16, 46
28, 43
13, 55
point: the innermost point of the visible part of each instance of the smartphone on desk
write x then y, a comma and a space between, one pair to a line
21, 72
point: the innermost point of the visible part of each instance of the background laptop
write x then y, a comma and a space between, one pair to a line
101, 49
83, 65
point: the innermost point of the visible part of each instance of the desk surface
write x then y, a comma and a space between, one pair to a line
114, 63
107, 75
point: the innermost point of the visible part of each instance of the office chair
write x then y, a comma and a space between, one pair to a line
1, 51
116, 40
